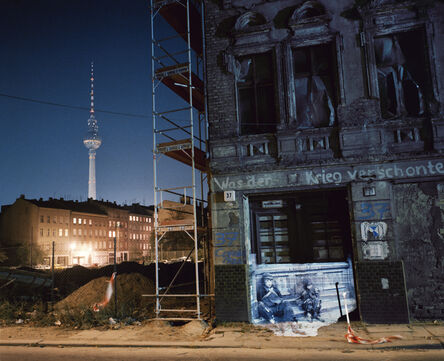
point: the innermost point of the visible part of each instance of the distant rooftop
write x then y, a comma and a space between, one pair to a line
89, 206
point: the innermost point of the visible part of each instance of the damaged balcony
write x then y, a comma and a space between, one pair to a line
308, 145
405, 137
244, 152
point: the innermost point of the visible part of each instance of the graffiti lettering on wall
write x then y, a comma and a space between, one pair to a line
377, 230
227, 248
324, 176
249, 182
331, 175
373, 210
228, 256
226, 239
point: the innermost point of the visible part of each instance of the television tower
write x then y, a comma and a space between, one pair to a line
92, 141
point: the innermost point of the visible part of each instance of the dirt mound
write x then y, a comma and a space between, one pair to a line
130, 287
194, 328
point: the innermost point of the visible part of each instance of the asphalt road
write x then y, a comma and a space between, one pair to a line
19, 353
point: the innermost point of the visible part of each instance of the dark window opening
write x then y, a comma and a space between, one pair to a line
402, 73
256, 89
301, 228
315, 86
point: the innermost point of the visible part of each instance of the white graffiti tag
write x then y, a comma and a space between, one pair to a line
377, 229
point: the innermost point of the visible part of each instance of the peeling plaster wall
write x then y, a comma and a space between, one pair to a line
420, 235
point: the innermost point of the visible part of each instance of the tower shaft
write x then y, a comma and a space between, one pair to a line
92, 174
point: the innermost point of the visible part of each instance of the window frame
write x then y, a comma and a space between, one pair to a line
255, 85
382, 22
276, 54
258, 244
336, 42
300, 231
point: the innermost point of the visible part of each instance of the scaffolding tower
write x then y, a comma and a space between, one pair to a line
179, 133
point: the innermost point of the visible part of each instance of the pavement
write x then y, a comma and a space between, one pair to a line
196, 334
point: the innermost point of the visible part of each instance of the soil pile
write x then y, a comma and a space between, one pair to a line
130, 288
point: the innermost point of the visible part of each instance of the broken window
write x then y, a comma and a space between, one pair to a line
401, 73
307, 227
314, 84
256, 93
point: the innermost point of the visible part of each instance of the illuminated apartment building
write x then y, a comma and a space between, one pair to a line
82, 232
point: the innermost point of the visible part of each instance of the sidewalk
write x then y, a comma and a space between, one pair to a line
195, 335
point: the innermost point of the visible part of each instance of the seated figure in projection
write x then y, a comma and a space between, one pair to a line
310, 301
271, 305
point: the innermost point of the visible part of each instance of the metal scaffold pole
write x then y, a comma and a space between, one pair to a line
176, 136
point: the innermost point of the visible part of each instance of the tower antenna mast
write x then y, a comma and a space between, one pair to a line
92, 141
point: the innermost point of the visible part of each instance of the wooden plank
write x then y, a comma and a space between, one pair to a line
175, 13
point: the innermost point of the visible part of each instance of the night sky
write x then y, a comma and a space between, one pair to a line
46, 50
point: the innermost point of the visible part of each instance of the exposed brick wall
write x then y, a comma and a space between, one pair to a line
220, 84
379, 305
231, 293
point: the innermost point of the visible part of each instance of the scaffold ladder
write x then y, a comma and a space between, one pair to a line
176, 63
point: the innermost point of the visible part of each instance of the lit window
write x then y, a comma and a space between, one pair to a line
114, 233
149, 220
80, 220
84, 221
110, 234
90, 222
118, 224
60, 232
66, 232
74, 220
